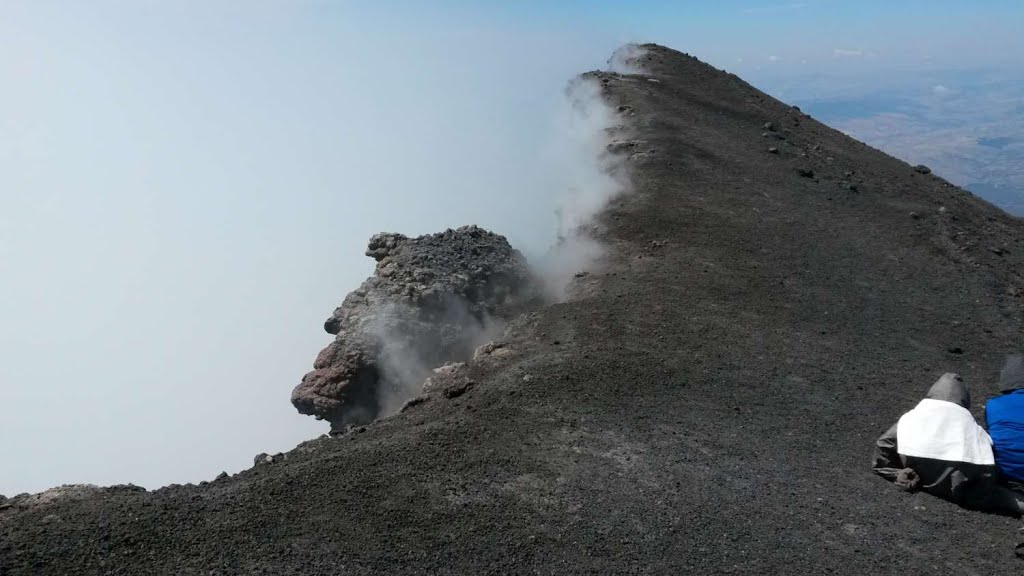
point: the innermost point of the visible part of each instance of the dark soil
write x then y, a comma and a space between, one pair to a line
710, 405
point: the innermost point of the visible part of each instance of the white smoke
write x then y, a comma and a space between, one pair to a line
591, 177
626, 59
586, 177
408, 353
590, 169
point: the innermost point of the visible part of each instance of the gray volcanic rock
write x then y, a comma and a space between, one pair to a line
431, 300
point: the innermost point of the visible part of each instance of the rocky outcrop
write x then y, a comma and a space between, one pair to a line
431, 300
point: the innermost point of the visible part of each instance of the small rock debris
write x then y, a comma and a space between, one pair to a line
456, 390
414, 401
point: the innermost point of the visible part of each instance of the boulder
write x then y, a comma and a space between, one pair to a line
431, 300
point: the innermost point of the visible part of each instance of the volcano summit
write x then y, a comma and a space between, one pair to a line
773, 294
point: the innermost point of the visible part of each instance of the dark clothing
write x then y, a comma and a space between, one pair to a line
1012, 376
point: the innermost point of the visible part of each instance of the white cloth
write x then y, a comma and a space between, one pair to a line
943, 430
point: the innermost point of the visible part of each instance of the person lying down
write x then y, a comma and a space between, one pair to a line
939, 448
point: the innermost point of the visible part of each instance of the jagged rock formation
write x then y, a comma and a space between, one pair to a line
705, 403
431, 300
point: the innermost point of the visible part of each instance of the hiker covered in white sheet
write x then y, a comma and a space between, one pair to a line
939, 448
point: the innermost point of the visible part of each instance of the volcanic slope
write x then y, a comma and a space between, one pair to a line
706, 402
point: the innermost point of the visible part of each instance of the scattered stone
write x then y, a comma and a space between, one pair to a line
915, 215
456, 390
414, 401
127, 488
773, 135
773, 150
497, 349
805, 172
623, 146
613, 131
262, 458
66, 492
955, 350
922, 169
625, 110
581, 274
797, 108
642, 154
653, 80
769, 126
451, 367
448, 370
527, 378
997, 250
1013, 291
853, 188
943, 210
221, 476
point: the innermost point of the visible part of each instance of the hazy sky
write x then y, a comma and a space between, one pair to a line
186, 188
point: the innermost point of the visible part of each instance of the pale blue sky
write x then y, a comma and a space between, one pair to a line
186, 188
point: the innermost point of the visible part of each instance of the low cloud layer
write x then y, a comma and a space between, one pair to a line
199, 206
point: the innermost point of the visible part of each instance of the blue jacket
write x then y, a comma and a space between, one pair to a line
1004, 416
